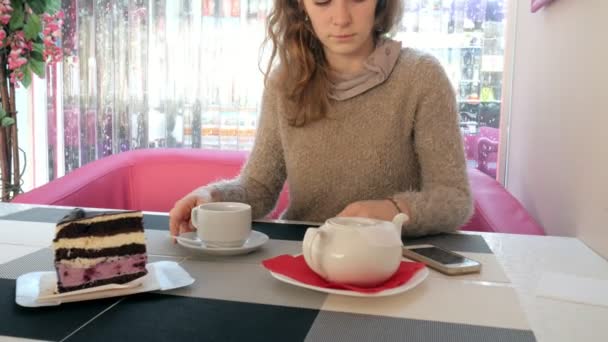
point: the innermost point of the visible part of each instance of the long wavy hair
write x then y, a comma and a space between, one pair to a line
302, 72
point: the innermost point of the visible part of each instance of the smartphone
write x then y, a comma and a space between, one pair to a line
442, 260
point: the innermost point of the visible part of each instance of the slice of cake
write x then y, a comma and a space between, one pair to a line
93, 249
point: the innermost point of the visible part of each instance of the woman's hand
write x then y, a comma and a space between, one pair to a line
377, 209
179, 216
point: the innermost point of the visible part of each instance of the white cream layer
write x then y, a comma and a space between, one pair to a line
101, 218
97, 242
88, 262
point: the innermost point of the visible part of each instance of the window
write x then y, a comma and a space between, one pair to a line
163, 73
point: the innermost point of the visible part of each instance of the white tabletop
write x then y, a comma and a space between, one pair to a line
524, 259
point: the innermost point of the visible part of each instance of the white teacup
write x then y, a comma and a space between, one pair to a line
222, 224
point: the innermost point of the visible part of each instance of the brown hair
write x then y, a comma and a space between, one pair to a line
302, 73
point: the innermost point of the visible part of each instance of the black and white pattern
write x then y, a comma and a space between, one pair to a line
235, 298
39, 261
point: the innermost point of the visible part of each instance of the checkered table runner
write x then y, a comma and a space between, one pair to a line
235, 298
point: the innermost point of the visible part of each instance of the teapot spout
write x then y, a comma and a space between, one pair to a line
399, 220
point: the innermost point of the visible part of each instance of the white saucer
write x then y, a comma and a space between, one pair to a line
255, 241
410, 284
38, 288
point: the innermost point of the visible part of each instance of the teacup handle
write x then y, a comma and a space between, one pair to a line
193, 217
312, 260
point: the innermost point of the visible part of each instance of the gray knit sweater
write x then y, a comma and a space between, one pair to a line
400, 138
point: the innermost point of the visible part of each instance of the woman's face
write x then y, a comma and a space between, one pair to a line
344, 27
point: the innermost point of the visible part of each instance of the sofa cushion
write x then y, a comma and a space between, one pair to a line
496, 209
154, 179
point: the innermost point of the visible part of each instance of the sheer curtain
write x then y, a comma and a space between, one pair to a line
184, 73
154, 73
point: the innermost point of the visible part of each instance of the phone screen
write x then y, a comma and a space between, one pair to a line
439, 255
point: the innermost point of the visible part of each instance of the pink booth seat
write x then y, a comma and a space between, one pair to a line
153, 179
496, 210
483, 148
147, 179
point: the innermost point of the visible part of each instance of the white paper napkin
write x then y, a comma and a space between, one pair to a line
572, 288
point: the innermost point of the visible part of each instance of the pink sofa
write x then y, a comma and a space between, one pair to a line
482, 147
153, 179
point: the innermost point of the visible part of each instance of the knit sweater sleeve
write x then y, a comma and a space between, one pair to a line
263, 175
443, 202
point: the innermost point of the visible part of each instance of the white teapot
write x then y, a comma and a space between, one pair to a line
355, 250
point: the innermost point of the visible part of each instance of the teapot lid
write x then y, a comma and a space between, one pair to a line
374, 231
354, 221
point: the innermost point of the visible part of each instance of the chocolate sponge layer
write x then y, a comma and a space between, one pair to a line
73, 253
105, 228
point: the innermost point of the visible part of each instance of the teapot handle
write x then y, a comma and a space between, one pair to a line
311, 258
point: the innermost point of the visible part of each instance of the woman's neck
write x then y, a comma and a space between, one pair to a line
351, 63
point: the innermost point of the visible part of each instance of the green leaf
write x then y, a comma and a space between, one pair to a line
7, 121
38, 6
27, 78
2, 113
53, 6
17, 18
37, 67
33, 27
39, 47
17, 3
37, 56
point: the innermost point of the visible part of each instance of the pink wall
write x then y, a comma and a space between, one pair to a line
557, 158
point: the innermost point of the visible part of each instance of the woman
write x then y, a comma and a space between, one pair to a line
356, 125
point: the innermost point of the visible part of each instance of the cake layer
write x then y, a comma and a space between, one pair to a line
105, 228
96, 219
90, 262
93, 249
73, 253
126, 278
100, 241
70, 276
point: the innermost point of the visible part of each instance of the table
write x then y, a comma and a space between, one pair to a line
235, 298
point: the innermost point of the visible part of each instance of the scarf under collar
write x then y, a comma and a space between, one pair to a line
376, 70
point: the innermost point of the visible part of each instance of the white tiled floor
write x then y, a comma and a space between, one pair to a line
12, 252
9, 208
15, 339
36, 234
